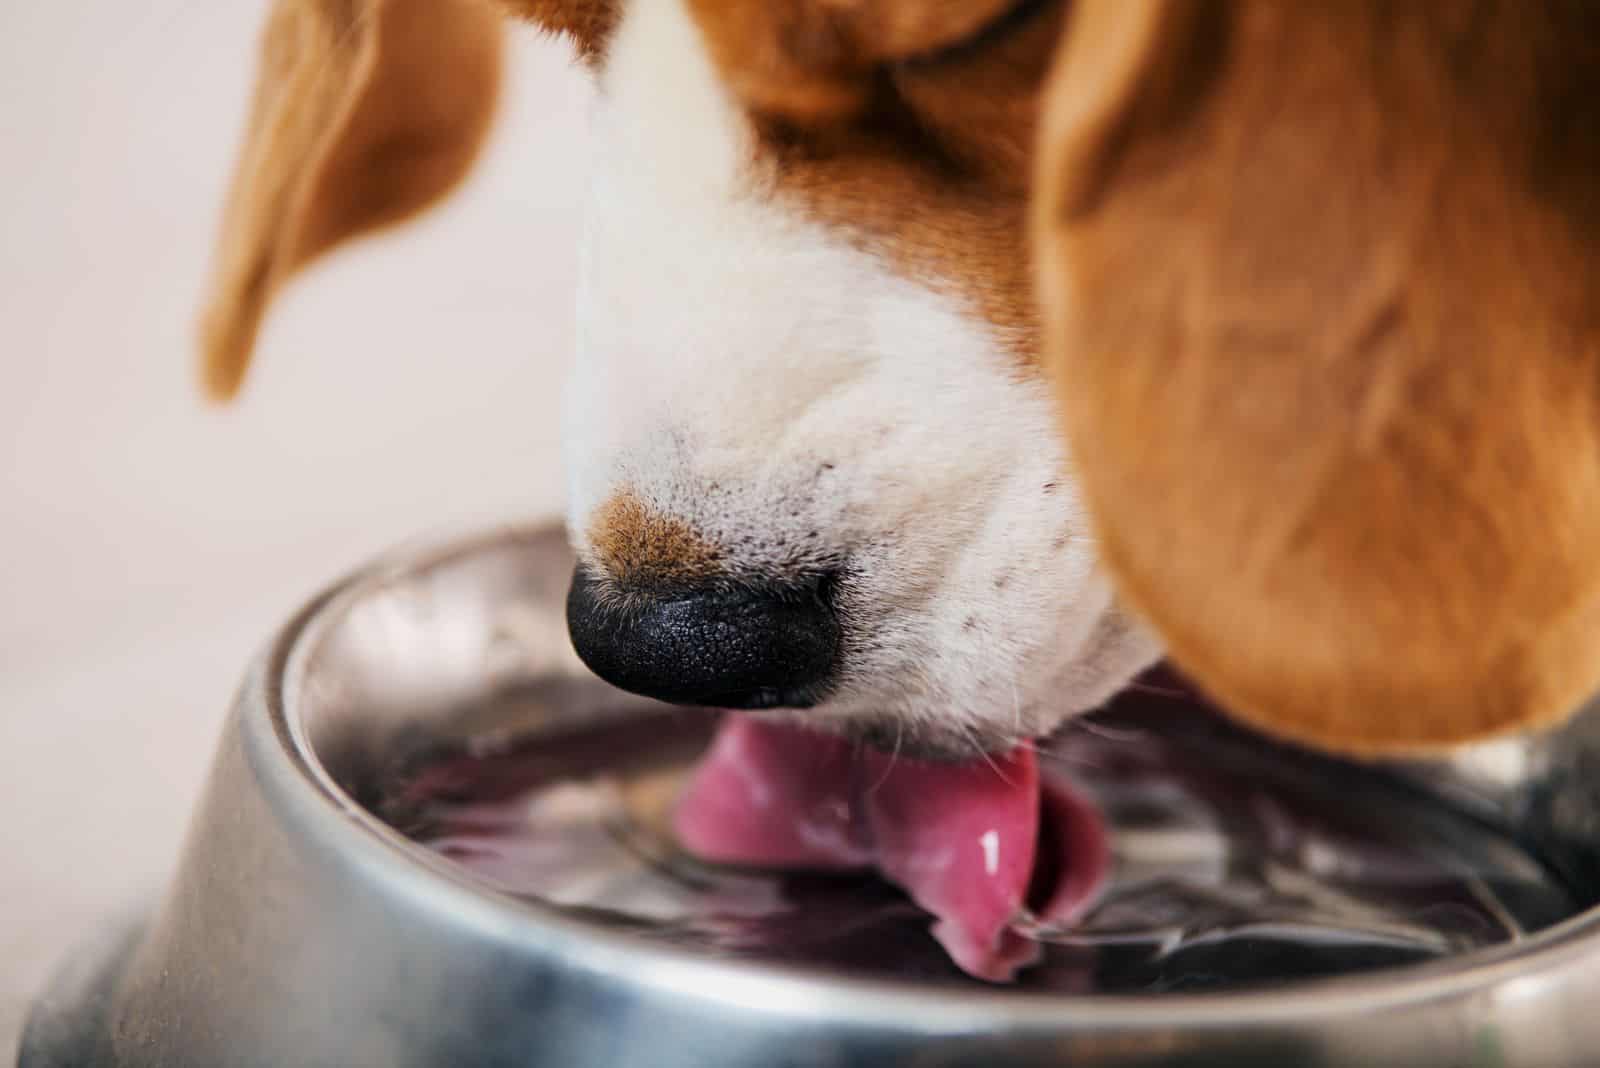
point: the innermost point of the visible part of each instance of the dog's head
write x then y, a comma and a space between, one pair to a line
812, 446
811, 454
811, 450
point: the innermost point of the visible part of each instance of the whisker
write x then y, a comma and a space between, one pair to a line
1110, 734
894, 755
1068, 757
973, 738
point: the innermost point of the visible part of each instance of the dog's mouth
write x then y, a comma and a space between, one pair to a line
962, 817
986, 845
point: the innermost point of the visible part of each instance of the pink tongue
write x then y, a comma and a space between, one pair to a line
962, 839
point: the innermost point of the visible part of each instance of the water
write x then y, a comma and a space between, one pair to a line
1236, 862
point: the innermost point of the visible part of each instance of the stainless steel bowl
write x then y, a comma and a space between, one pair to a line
301, 930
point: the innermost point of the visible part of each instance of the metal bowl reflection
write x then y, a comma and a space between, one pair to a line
302, 929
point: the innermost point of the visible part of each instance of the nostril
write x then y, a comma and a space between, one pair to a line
734, 646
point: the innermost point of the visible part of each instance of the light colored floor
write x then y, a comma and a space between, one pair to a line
148, 544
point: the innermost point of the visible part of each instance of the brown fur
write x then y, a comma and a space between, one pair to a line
931, 165
366, 112
587, 23
1326, 318
805, 61
637, 547
1320, 283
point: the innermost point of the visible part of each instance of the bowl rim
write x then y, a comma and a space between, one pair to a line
305, 795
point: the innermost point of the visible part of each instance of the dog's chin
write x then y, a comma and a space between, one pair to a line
926, 744
926, 735
1117, 654
920, 741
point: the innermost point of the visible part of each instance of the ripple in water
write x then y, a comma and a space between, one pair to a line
1236, 862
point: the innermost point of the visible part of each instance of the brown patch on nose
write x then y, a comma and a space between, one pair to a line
637, 545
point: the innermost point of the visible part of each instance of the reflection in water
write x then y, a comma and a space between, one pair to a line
1237, 862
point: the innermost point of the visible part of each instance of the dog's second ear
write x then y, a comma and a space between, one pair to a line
1322, 285
366, 112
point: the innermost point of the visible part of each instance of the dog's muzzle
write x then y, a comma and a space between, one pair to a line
723, 644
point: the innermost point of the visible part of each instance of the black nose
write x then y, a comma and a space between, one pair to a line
728, 646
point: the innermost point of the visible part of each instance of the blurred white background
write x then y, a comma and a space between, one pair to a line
148, 543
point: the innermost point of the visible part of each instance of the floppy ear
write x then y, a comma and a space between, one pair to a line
365, 113
1322, 287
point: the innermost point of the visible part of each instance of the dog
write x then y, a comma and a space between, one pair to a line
945, 363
